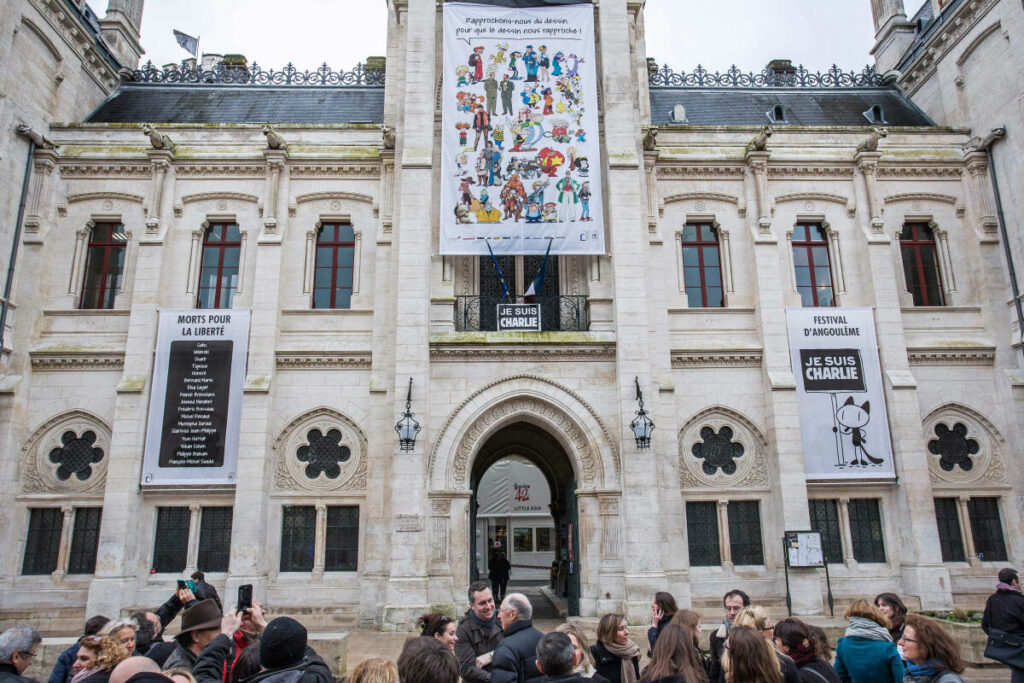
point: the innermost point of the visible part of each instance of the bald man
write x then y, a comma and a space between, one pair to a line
131, 666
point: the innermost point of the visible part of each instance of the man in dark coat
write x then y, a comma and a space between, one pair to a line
199, 625
18, 646
558, 659
478, 634
734, 601
515, 660
1004, 611
286, 657
501, 569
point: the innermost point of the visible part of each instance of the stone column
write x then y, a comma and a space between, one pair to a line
320, 542
629, 243
978, 190
893, 33
966, 532
844, 532
192, 553
160, 159
276, 159
121, 30
782, 418
725, 546
406, 592
64, 550
867, 164
44, 162
918, 549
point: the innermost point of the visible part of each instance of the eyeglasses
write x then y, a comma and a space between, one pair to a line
904, 639
27, 655
769, 627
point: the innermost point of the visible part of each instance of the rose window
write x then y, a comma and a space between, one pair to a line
322, 453
718, 451
953, 447
77, 455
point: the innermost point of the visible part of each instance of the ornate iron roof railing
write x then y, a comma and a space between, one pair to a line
794, 77
252, 74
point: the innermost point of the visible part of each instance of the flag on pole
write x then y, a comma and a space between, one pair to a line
501, 278
187, 42
537, 286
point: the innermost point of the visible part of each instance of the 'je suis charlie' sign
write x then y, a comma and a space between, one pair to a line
195, 404
840, 397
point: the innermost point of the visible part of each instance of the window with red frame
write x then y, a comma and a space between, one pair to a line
813, 265
104, 266
332, 279
702, 267
218, 275
921, 264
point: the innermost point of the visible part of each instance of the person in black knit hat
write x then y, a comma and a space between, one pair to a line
287, 658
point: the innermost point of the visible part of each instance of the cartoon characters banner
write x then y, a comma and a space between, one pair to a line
840, 395
520, 160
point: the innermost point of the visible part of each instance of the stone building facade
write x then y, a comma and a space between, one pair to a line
389, 536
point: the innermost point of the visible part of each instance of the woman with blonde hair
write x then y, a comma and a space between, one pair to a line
123, 631
97, 656
757, 619
374, 670
867, 654
581, 645
748, 658
933, 655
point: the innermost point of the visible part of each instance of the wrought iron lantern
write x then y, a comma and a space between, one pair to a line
642, 425
407, 427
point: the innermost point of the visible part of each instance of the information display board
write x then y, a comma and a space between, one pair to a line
803, 549
196, 398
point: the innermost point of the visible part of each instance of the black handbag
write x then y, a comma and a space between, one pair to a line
1007, 648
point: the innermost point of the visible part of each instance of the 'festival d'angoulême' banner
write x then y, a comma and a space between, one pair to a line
840, 396
520, 159
195, 404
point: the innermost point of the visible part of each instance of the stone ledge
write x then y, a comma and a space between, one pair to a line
984, 355
77, 360
716, 358
539, 352
324, 360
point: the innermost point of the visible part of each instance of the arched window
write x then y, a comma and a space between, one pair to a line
218, 276
813, 265
104, 266
921, 264
702, 266
335, 254
777, 114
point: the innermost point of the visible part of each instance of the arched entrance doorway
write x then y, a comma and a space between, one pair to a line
526, 441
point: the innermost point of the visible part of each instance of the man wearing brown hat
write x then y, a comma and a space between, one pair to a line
200, 624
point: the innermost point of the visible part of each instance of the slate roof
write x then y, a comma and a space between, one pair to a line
803, 106
179, 103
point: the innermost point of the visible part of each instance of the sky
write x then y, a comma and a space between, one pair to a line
680, 33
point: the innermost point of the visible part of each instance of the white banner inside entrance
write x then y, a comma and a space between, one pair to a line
843, 420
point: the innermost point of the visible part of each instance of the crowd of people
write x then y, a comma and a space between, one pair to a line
495, 643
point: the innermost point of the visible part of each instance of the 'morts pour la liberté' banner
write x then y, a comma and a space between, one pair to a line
520, 159
840, 395
195, 405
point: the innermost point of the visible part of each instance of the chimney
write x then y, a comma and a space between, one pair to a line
121, 30
893, 33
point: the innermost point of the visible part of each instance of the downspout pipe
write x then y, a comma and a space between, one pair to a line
986, 145
17, 233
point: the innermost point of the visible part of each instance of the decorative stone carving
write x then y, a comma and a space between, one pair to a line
964, 447
717, 450
320, 451
67, 454
720, 448
453, 474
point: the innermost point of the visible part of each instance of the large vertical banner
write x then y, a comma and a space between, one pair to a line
520, 159
195, 404
840, 395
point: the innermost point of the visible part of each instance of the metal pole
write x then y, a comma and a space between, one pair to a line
785, 556
16, 241
1006, 244
828, 585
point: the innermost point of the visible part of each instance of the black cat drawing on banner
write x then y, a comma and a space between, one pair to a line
850, 420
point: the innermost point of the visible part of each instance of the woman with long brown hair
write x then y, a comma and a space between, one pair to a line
748, 658
933, 655
616, 657
690, 621
674, 659
890, 605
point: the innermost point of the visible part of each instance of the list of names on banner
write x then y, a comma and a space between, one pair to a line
195, 411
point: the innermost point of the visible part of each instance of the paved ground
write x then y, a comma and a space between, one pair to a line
365, 644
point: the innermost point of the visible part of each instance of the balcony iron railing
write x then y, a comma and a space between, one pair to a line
564, 313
